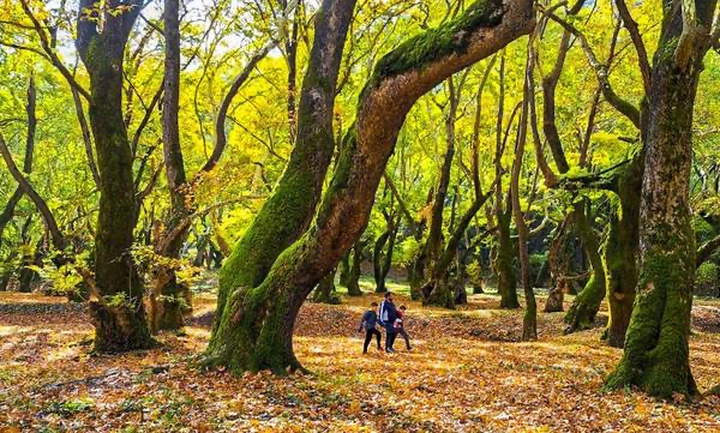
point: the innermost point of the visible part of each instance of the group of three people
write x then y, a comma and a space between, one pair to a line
390, 318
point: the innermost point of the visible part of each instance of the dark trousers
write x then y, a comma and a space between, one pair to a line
390, 335
405, 335
368, 337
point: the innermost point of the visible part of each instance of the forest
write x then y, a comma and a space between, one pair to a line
360, 215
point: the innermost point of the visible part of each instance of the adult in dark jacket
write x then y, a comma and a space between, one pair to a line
388, 314
368, 322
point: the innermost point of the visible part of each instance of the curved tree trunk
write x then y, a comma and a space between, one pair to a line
167, 300
287, 213
656, 355
257, 328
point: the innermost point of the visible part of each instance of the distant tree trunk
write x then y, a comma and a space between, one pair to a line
434, 245
353, 285
581, 314
119, 325
558, 268
383, 262
507, 283
345, 269
260, 322
529, 330
505, 252
9, 211
325, 291
656, 355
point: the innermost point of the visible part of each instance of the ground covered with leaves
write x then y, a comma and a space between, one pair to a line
468, 373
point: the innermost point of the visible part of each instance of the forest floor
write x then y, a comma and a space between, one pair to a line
468, 372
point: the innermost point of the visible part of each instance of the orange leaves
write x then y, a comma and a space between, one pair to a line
466, 374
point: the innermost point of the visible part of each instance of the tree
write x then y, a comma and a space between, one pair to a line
119, 316
256, 325
656, 355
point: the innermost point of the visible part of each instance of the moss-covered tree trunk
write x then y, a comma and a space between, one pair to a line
353, 283
503, 263
620, 252
656, 355
584, 309
325, 290
119, 317
287, 213
256, 326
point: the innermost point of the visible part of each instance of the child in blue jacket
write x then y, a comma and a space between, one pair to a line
368, 322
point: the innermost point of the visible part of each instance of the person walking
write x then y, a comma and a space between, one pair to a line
400, 327
388, 314
368, 322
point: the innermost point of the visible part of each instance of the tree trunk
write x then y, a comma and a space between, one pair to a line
168, 294
120, 317
619, 252
353, 285
345, 269
656, 355
558, 269
257, 328
287, 213
325, 291
507, 283
529, 329
581, 314
378, 271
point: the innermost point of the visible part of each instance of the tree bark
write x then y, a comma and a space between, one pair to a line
584, 309
167, 299
620, 252
656, 356
257, 328
120, 318
353, 285
288, 212
325, 290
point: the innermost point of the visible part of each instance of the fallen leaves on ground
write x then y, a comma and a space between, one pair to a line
467, 373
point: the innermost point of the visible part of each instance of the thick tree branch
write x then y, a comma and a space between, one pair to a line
220, 136
48, 218
706, 250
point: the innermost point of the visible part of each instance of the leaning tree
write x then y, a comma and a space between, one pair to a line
255, 321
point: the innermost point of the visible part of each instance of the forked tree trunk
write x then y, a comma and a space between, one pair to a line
287, 213
656, 355
120, 317
256, 327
